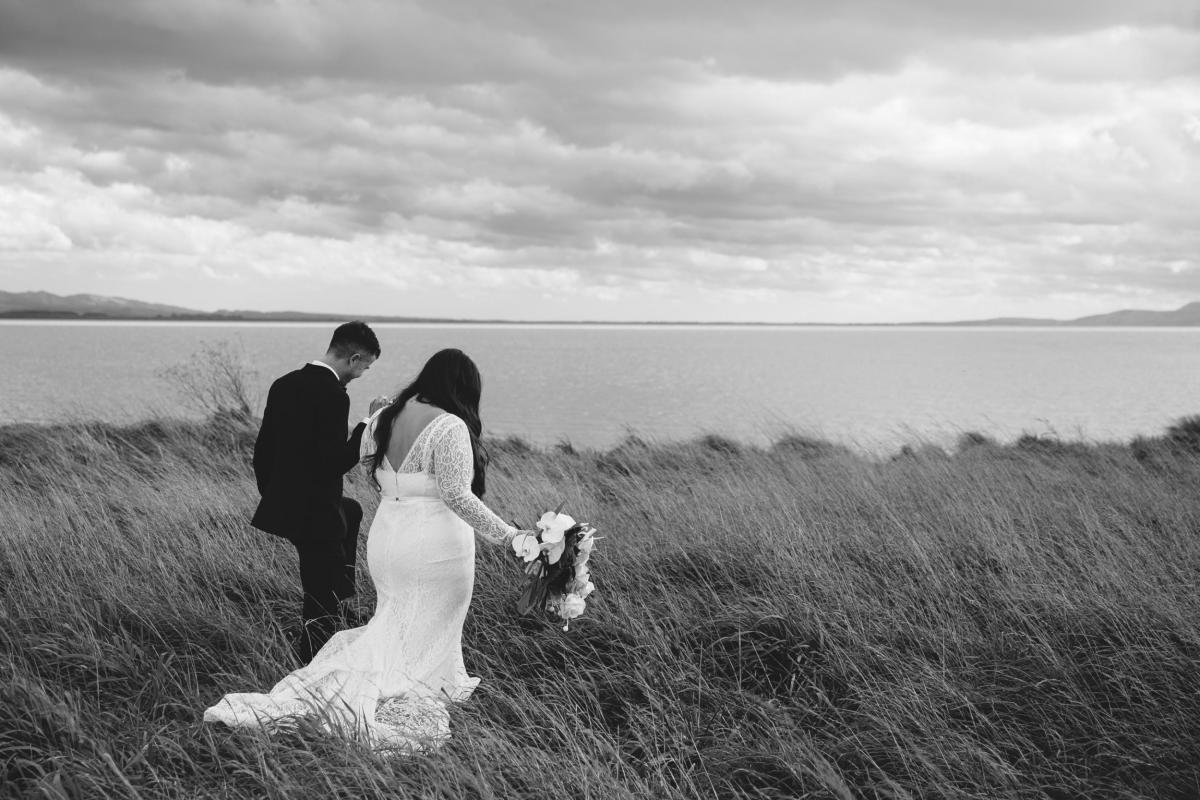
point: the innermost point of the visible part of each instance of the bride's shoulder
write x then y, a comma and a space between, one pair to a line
445, 427
447, 421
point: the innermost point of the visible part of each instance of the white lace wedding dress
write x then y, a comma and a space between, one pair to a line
389, 682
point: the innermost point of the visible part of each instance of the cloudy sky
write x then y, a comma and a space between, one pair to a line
767, 160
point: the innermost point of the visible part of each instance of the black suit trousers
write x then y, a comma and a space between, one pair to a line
326, 576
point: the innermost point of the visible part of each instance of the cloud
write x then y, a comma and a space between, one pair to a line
846, 157
401, 43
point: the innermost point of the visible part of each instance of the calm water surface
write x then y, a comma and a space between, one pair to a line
871, 387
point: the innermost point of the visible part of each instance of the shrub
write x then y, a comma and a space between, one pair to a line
973, 439
806, 447
217, 380
925, 452
720, 444
1185, 434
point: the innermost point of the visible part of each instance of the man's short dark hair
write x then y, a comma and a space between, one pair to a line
351, 337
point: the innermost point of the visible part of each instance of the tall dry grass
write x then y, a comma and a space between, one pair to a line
1016, 621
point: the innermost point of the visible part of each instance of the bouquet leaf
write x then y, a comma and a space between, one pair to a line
534, 597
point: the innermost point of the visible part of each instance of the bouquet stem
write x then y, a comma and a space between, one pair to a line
534, 596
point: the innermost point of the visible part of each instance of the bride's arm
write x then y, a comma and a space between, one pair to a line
366, 445
453, 468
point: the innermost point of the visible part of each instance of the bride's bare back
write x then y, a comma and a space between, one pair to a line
406, 427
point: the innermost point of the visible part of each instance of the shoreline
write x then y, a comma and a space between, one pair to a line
304, 322
1182, 434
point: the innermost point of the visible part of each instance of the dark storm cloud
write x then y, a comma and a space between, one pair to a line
403, 43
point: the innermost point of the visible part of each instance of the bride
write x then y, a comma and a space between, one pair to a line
389, 682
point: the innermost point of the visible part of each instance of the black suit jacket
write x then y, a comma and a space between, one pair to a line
301, 454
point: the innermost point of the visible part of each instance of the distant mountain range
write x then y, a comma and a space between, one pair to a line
44, 305
1184, 316
39, 304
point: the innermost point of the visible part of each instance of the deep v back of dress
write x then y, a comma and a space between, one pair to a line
410, 430
409, 475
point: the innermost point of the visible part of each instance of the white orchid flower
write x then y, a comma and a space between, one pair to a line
551, 535
554, 526
526, 546
553, 550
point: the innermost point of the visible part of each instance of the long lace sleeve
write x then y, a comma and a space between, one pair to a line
453, 467
367, 445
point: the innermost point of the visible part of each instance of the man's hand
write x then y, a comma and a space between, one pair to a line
383, 401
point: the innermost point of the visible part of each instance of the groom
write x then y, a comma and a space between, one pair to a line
300, 456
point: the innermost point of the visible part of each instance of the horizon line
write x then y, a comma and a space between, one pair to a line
153, 311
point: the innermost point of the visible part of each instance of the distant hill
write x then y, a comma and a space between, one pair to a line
44, 305
1182, 316
1010, 322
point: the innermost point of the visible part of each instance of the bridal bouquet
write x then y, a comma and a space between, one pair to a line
557, 565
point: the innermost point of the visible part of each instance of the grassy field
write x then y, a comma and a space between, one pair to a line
1016, 621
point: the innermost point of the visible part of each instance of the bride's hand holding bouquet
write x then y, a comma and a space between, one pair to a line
556, 561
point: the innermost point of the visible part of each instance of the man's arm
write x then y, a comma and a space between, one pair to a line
350, 456
264, 444
332, 447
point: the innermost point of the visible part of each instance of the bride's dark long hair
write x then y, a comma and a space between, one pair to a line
449, 380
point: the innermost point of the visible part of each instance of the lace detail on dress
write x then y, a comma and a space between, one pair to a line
452, 465
366, 445
413, 459
420, 721
349, 691
416, 460
442, 450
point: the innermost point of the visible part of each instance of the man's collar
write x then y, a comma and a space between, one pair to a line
326, 366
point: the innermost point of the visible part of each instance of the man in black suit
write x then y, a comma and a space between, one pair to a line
300, 456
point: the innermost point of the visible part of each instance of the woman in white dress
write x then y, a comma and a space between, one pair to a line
389, 681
